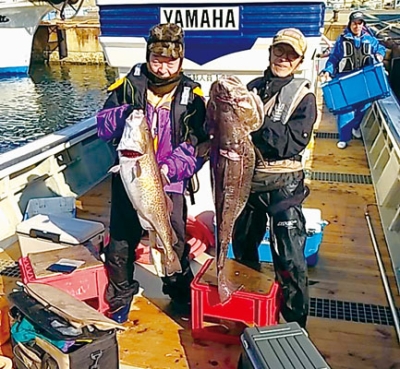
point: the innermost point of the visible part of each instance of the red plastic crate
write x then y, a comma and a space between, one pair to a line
248, 308
85, 284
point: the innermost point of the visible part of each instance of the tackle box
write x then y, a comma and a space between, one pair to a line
51, 232
314, 226
283, 346
363, 86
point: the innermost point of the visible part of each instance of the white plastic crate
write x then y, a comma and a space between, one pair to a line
62, 206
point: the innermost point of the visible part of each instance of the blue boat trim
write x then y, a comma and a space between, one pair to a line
10, 71
255, 21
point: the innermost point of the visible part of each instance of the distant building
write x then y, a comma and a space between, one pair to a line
371, 4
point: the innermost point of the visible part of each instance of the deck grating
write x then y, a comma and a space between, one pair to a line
341, 177
332, 135
9, 268
351, 311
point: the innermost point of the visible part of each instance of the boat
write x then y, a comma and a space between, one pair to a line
357, 190
19, 20
221, 39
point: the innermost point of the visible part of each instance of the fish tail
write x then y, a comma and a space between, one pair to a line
172, 265
225, 287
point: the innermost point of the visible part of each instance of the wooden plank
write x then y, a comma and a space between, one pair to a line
158, 339
347, 345
250, 280
40, 261
346, 271
327, 157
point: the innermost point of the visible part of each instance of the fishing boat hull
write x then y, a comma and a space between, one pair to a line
227, 37
18, 23
66, 163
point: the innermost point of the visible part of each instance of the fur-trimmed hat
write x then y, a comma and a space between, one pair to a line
166, 39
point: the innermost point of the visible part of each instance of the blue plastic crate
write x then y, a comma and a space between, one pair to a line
315, 228
366, 85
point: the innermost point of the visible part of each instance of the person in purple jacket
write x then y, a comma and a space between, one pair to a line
175, 111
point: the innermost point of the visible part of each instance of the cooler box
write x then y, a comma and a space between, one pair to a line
50, 232
283, 346
315, 227
369, 84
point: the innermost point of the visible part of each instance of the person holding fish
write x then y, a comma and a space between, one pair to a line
277, 185
155, 102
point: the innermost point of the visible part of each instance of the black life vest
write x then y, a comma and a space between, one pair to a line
137, 83
355, 57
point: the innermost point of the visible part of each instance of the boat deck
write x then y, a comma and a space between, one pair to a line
350, 321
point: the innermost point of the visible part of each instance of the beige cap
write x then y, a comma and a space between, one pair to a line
293, 37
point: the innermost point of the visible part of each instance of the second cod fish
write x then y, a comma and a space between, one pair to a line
142, 180
233, 113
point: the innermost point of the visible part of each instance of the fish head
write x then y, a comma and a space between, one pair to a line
136, 136
233, 112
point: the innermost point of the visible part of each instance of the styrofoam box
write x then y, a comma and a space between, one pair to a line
363, 86
314, 227
51, 232
64, 206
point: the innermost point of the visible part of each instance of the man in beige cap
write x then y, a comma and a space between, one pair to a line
175, 112
278, 188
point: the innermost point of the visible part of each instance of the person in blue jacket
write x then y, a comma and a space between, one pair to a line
355, 48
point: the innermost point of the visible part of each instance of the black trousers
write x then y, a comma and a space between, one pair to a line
125, 235
278, 198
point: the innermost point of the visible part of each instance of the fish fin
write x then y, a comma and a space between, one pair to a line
136, 170
163, 265
170, 204
157, 257
230, 154
174, 237
158, 263
114, 169
145, 225
173, 266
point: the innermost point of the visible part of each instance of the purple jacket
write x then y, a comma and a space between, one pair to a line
180, 160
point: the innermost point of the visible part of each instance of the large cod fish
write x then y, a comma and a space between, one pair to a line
233, 113
143, 183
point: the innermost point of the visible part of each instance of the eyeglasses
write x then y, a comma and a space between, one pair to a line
280, 51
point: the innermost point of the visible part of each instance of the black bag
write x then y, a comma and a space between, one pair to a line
89, 347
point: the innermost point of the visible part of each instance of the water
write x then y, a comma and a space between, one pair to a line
52, 97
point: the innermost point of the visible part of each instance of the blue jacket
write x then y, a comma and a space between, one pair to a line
364, 49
